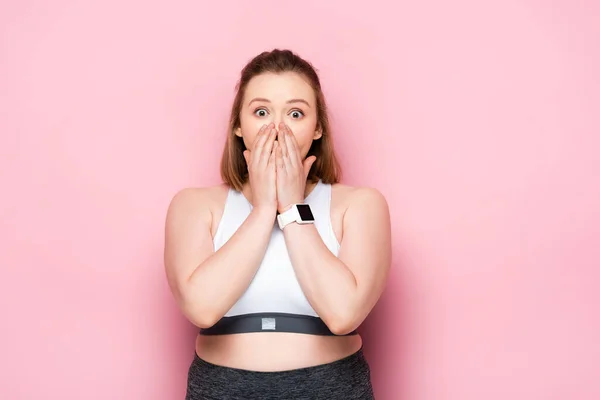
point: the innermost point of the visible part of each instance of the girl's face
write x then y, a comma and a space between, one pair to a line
285, 97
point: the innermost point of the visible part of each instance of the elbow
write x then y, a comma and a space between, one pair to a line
197, 310
343, 324
203, 320
202, 317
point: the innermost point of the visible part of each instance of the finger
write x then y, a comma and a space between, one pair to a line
260, 139
292, 148
246, 157
257, 139
259, 135
268, 145
290, 138
287, 160
267, 142
282, 142
308, 164
272, 156
279, 159
285, 151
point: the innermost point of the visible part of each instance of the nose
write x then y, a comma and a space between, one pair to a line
277, 119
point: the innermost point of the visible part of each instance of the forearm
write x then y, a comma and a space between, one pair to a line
219, 281
328, 284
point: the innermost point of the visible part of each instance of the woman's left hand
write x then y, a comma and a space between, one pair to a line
292, 171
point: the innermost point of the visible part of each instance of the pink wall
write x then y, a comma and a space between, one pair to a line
479, 122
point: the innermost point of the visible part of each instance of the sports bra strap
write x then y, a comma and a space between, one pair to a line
270, 322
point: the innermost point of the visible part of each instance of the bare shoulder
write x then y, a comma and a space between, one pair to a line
196, 202
358, 198
361, 221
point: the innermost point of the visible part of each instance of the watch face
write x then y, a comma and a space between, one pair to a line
305, 212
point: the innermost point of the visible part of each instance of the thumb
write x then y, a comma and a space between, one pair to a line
308, 164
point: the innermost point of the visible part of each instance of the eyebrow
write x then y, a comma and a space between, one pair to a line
288, 102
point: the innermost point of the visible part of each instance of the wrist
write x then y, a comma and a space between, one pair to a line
298, 213
284, 207
265, 212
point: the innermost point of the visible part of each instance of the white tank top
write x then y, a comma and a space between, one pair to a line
274, 287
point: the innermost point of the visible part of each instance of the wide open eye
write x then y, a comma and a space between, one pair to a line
296, 114
260, 112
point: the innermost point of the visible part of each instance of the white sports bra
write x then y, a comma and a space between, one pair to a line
274, 294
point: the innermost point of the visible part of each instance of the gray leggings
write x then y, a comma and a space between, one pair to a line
345, 379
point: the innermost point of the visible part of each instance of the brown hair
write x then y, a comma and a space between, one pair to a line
234, 170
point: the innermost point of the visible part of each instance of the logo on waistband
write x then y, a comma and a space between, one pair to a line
268, 324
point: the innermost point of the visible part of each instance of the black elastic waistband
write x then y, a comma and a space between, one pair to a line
270, 322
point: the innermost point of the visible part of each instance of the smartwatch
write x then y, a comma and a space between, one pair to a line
299, 213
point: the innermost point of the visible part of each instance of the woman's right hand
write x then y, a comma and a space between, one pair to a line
261, 169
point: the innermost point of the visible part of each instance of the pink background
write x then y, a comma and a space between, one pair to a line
477, 119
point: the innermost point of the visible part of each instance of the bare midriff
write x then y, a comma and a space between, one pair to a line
274, 351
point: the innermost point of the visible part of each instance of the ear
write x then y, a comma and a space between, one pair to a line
318, 133
238, 131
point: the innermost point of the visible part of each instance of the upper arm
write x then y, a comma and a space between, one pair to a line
188, 239
366, 244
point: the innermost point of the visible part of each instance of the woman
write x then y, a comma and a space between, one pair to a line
279, 265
